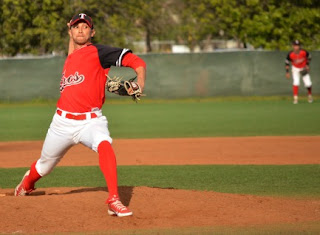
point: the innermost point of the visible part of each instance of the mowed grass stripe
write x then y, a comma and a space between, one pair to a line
288, 180
165, 120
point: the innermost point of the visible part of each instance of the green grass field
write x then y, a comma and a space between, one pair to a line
293, 180
176, 119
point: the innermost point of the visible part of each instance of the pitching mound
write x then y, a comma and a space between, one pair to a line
83, 210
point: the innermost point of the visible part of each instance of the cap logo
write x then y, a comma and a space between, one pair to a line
82, 15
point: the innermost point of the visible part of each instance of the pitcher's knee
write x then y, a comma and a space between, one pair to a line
44, 167
103, 145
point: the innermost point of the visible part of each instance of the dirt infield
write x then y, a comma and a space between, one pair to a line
228, 150
82, 209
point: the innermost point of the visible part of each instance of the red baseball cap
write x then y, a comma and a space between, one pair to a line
81, 17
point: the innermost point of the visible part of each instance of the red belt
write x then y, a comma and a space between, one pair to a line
76, 117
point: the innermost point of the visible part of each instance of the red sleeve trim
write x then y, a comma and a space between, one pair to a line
133, 61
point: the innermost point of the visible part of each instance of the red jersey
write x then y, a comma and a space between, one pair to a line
298, 60
83, 81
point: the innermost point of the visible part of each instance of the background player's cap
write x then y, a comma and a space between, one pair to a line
81, 17
296, 42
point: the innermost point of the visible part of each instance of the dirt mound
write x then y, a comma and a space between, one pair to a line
83, 209
179, 151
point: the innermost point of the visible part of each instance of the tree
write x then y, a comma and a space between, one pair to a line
152, 18
280, 22
269, 24
197, 22
1, 28
31, 26
39, 26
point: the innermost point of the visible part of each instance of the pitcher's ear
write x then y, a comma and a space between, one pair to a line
93, 32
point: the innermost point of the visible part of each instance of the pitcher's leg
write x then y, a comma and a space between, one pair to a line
108, 166
97, 137
55, 146
32, 178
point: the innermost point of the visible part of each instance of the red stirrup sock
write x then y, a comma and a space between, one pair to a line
309, 90
108, 166
295, 90
32, 178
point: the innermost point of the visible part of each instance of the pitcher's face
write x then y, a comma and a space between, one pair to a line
81, 33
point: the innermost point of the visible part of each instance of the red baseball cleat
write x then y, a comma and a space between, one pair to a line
115, 207
20, 190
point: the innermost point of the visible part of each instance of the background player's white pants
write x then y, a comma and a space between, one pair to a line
296, 77
64, 133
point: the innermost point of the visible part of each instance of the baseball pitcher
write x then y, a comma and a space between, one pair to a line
299, 59
78, 118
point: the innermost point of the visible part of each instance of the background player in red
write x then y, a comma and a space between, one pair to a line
78, 118
299, 59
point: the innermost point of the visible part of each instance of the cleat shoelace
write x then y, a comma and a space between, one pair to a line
119, 206
22, 192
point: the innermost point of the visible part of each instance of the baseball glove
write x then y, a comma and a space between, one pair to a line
304, 72
124, 88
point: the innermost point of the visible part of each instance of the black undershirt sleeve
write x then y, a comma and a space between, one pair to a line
110, 56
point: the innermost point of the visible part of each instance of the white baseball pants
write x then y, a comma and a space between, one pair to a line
64, 133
